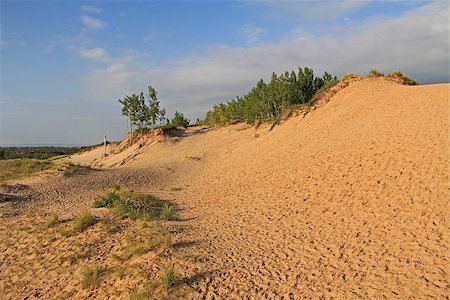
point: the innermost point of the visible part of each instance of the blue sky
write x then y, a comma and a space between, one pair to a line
64, 64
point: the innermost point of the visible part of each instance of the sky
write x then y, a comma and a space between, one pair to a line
65, 64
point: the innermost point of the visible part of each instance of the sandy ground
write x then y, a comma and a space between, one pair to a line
349, 201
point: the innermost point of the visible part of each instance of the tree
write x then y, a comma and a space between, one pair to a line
179, 120
142, 113
156, 114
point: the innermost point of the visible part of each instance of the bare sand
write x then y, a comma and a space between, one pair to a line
347, 201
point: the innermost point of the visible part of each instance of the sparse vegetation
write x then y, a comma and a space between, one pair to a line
17, 168
375, 73
119, 272
168, 213
405, 79
168, 278
54, 220
136, 205
91, 277
83, 222
135, 294
347, 76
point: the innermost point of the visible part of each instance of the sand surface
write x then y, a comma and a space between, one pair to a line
348, 201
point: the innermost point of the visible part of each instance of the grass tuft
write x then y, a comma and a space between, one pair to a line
84, 221
168, 213
375, 73
135, 294
91, 277
168, 278
54, 220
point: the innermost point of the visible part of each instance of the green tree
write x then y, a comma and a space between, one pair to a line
179, 120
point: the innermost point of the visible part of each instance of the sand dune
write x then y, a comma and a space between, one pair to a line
347, 201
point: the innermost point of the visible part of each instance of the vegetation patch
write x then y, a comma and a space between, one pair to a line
54, 220
169, 278
18, 168
83, 222
91, 277
136, 205
37, 152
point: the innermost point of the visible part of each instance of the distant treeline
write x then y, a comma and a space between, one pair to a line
36, 152
269, 100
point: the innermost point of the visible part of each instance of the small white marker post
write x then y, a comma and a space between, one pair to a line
104, 143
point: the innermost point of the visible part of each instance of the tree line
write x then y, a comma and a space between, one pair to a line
265, 101
269, 100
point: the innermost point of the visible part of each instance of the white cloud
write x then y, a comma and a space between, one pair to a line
92, 23
312, 9
252, 32
94, 53
416, 43
91, 9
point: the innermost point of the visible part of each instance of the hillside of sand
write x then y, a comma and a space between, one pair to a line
348, 201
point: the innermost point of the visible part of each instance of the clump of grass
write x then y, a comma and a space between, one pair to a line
106, 201
116, 187
83, 222
119, 272
135, 294
375, 73
404, 78
168, 214
54, 220
132, 204
176, 189
168, 278
348, 76
111, 225
91, 277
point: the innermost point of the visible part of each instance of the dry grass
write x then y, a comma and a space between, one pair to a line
17, 168
91, 277
83, 222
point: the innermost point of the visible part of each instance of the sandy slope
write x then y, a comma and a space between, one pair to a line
349, 201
